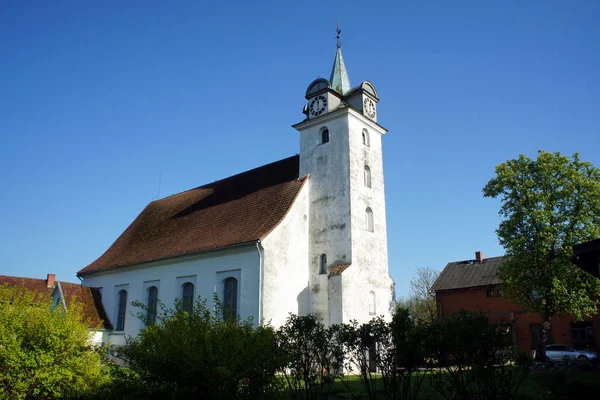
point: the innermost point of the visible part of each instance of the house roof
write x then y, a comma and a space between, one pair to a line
469, 273
93, 311
91, 300
38, 286
240, 209
338, 269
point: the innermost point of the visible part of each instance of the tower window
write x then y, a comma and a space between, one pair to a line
151, 305
372, 303
230, 295
323, 264
367, 176
365, 138
325, 136
369, 220
122, 310
187, 297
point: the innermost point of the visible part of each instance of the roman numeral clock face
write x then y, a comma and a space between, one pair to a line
318, 106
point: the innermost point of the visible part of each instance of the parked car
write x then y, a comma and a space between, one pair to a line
562, 351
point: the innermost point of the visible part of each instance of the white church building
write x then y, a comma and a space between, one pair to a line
302, 235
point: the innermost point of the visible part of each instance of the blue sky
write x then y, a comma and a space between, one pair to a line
106, 106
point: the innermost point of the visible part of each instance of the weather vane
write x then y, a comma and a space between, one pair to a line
339, 31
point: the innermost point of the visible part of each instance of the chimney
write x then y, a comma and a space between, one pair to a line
50, 280
479, 256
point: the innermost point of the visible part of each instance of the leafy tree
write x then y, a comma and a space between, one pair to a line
45, 352
548, 205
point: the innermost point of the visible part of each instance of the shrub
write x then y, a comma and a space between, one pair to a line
45, 352
314, 356
474, 358
200, 355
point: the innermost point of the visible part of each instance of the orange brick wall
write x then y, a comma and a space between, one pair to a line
500, 310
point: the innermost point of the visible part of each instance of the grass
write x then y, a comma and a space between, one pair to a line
537, 385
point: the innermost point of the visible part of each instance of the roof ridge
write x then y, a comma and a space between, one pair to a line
226, 178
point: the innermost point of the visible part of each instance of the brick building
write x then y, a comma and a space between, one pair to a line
473, 285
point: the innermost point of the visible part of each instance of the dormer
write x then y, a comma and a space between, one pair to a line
321, 98
364, 98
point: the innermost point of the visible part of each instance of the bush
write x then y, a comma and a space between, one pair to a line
314, 356
475, 359
200, 355
395, 348
45, 352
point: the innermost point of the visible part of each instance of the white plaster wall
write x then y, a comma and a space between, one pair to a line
206, 271
369, 270
285, 279
329, 201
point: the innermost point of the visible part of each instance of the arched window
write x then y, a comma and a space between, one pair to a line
367, 176
369, 220
122, 310
372, 303
365, 138
187, 297
325, 136
152, 304
230, 295
323, 264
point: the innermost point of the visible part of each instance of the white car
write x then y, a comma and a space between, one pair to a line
561, 352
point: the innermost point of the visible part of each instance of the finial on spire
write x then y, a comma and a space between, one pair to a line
339, 31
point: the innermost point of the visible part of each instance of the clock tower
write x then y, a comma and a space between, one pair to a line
341, 151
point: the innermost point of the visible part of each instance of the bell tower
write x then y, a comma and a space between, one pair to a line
340, 148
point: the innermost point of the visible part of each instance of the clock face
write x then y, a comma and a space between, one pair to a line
369, 107
317, 106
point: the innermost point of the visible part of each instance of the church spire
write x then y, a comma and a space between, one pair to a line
339, 76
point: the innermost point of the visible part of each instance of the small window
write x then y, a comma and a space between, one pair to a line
323, 264
325, 136
152, 305
187, 297
367, 176
365, 138
122, 310
230, 298
500, 293
369, 220
372, 303
489, 293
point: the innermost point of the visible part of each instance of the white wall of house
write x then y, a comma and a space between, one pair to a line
206, 271
285, 283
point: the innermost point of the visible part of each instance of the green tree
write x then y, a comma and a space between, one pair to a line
45, 353
548, 205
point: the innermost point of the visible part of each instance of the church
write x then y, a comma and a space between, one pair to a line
303, 235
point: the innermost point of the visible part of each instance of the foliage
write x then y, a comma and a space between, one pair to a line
314, 356
473, 358
45, 352
421, 301
548, 205
395, 349
200, 355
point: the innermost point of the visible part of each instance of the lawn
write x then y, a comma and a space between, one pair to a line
536, 385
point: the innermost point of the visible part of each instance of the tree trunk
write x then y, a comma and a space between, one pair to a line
540, 354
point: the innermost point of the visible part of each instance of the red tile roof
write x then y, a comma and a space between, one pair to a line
239, 209
91, 300
93, 310
338, 269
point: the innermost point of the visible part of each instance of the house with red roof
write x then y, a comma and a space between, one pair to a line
473, 285
306, 234
65, 294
